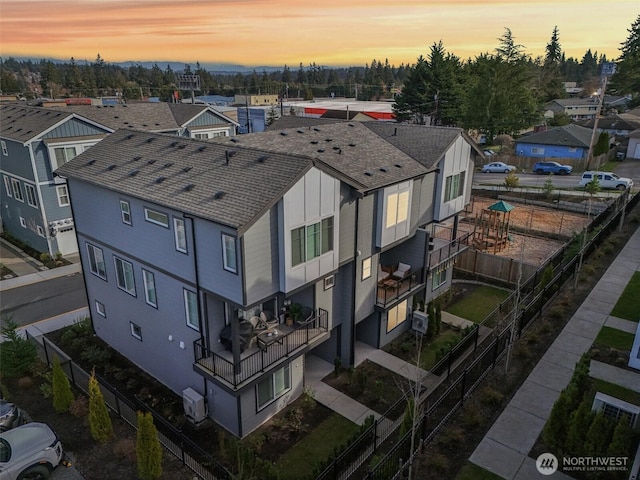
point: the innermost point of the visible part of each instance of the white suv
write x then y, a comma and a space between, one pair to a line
29, 451
606, 180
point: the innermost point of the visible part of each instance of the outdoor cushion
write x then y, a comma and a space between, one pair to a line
402, 271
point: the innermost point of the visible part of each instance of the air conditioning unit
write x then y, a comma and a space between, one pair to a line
193, 403
420, 322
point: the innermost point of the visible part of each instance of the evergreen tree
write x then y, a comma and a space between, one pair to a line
148, 449
431, 326
62, 394
579, 423
602, 145
414, 104
508, 50
556, 428
550, 83
99, 419
620, 445
17, 354
626, 80
438, 317
598, 436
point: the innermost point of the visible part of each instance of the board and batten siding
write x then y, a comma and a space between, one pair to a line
347, 224
457, 159
261, 258
18, 160
365, 290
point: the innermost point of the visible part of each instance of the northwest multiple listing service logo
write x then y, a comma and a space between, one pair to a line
548, 464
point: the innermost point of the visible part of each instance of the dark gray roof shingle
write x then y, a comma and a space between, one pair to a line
22, 123
568, 135
152, 117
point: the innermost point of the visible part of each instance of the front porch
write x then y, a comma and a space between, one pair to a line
263, 352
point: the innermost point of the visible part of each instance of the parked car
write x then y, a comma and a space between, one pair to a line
31, 450
498, 167
488, 152
552, 167
607, 180
10, 416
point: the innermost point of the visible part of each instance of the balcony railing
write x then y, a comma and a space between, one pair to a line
393, 288
443, 253
221, 366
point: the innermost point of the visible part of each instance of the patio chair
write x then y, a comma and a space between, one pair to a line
402, 271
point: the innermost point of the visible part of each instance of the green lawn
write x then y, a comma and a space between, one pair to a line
479, 303
317, 445
628, 306
471, 471
612, 337
617, 391
428, 355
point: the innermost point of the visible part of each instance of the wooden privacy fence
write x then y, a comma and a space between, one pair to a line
492, 266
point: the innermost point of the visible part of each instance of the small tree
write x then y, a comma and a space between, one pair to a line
148, 449
598, 436
62, 394
511, 180
438, 317
579, 422
431, 326
620, 445
555, 430
18, 354
99, 419
548, 188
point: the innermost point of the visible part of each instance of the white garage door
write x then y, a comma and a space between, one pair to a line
67, 243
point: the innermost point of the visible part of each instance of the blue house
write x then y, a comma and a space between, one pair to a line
219, 267
569, 141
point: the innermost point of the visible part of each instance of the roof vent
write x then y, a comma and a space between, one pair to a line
186, 169
328, 139
352, 144
202, 148
150, 139
151, 162
262, 158
284, 134
135, 159
336, 148
167, 165
181, 146
300, 131
219, 195
235, 140
133, 173
316, 129
130, 136
351, 124
321, 150
189, 187
160, 179
314, 142
384, 170
368, 174
232, 152
397, 165
91, 162
173, 144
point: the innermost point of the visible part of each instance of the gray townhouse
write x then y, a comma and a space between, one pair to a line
195, 253
36, 141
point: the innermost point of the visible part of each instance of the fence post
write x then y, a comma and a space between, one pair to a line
475, 341
464, 382
73, 377
449, 363
495, 352
375, 435
46, 352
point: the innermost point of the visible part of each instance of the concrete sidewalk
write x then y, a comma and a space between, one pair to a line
505, 448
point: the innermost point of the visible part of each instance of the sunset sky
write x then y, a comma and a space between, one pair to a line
328, 32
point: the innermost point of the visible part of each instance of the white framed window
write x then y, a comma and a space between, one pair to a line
30, 192
40, 231
150, 295
180, 235
397, 208
201, 136
156, 217
439, 277
329, 282
454, 186
124, 276
191, 309
273, 387
311, 241
61, 154
366, 268
136, 331
5, 152
63, 195
7, 186
100, 310
96, 261
573, 149
23, 222
537, 151
396, 315
229, 256
125, 211
17, 190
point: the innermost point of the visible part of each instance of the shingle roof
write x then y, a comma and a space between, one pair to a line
294, 121
152, 117
364, 159
622, 121
569, 136
22, 123
188, 175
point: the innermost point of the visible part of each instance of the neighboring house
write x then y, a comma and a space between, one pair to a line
366, 110
569, 141
193, 242
256, 100
575, 108
633, 150
35, 204
620, 125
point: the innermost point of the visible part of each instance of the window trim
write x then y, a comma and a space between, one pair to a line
366, 270
396, 310
146, 283
23, 222
40, 231
274, 395
178, 245
28, 187
132, 290
17, 190
315, 230
329, 282
124, 214
438, 274
7, 186
66, 194
148, 210
100, 310
225, 257
90, 256
5, 151
185, 293
134, 334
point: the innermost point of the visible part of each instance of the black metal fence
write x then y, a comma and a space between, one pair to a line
203, 464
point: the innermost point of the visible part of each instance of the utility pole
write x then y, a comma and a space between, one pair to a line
608, 69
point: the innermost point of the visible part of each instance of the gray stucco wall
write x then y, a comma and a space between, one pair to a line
261, 258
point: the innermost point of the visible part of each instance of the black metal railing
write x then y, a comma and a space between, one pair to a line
394, 288
256, 363
447, 252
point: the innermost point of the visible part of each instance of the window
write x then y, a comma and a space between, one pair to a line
125, 210
396, 315
454, 186
96, 261
7, 186
201, 136
124, 276
439, 278
229, 253
311, 241
191, 309
30, 192
62, 155
329, 282
158, 218
63, 195
100, 309
366, 268
5, 152
273, 387
40, 231
537, 151
17, 190
150, 295
180, 235
23, 222
573, 149
397, 208
136, 331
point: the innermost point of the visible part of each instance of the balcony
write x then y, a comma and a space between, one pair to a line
446, 250
393, 288
264, 352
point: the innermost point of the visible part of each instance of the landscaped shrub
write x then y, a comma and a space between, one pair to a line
148, 449
95, 356
17, 355
99, 419
62, 394
125, 449
490, 396
79, 407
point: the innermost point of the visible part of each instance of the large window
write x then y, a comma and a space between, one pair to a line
124, 276
125, 211
7, 186
150, 295
273, 386
229, 258
439, 277
311, 241
397, 208
62, 155
17, 190
396, 315
96, 261
180, 235
454, 186
191, 309
30, 191
63, 195
366, 268
158, 218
